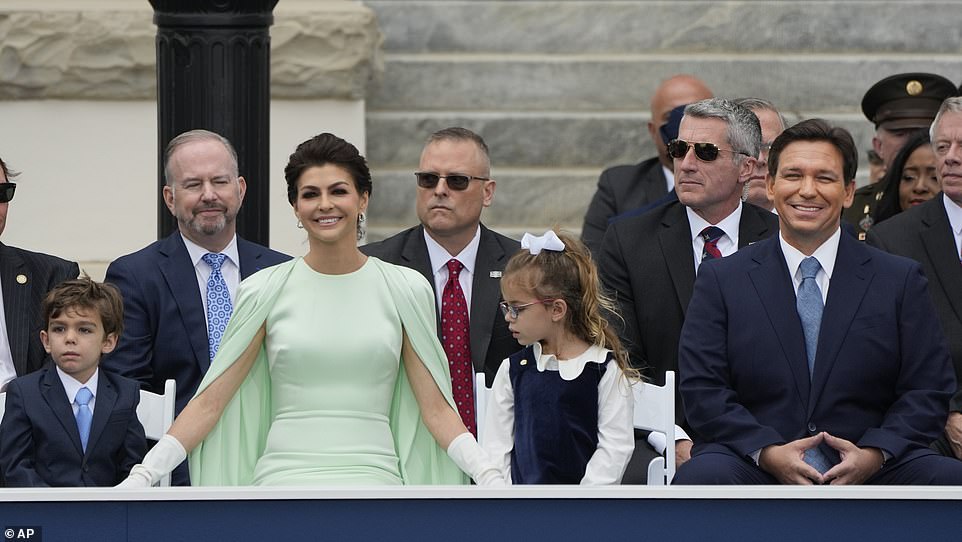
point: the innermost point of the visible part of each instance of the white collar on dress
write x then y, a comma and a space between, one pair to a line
570, 369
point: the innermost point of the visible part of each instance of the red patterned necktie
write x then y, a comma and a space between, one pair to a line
455, 337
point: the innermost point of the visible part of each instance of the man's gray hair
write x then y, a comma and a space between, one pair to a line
761, 104
744, 131
458, 133
191, 137
950, 105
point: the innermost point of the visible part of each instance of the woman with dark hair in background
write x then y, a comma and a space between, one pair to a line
910, 180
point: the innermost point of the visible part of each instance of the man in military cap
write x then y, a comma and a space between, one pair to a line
898, 106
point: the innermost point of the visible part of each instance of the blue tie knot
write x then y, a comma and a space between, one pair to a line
83, 397
711, 234
214, 260
810, 267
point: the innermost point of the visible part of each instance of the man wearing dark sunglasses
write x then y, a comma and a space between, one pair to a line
25, 279
625, 188
649, 261
454, 185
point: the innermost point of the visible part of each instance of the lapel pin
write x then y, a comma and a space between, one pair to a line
21, 279
495, 274
524, 362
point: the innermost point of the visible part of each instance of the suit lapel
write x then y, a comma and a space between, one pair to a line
106, 399
414, 254
849, 284
751, 226
51, 388
675, 240
16, 296
777, 294
181, 280
485, 293
939, 245
250, 256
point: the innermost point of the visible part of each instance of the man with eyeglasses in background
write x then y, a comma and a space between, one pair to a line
454, 185
648, 262
25, 279
772, 123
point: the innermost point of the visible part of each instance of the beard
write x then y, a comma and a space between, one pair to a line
207, 225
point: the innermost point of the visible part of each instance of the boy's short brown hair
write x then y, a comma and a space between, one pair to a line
86, 293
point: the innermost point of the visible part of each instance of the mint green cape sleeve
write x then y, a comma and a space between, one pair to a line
422, 461
227, 456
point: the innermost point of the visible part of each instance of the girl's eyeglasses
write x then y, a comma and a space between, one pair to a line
515, 310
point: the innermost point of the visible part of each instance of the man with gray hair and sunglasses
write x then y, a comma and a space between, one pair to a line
25, 279
460, 258
648, 262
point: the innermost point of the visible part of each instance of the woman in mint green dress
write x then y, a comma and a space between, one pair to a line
330, 371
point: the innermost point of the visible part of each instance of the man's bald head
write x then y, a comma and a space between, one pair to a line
676, 90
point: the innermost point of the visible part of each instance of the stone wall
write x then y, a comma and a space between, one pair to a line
560, 89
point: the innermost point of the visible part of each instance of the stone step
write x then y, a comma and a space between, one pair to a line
522, 198
532, 140
822, 83
628, 27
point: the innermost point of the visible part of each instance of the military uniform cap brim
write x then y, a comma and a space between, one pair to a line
906, 100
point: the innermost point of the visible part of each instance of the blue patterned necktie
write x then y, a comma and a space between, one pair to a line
711, 235
810, 305
84, 415
218, 302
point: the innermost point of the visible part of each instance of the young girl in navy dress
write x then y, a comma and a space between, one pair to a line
560, 411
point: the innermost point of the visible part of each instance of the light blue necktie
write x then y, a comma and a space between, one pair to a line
810, 305
218, 302
84, 415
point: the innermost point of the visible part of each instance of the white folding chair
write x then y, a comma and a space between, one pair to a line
480, 402
156, 414
655, 411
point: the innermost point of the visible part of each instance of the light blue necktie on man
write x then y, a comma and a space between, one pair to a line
84, 415
810, 306
218, 302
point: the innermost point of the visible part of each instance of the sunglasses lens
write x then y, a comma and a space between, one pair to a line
458, 182
706, 151
6, 192
677, 148
427, 180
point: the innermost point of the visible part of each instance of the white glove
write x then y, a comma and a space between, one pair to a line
467, 454
159, 461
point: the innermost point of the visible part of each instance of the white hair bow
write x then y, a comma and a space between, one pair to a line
536, 243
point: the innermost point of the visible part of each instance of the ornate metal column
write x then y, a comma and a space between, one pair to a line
213, 72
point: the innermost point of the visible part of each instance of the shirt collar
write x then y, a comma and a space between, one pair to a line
825, 254
440, 256
72, 386
197, 252
954, 212
569, 369
729, 224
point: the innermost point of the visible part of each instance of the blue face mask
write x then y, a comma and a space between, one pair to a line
669, 130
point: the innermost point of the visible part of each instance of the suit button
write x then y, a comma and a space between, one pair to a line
811, 427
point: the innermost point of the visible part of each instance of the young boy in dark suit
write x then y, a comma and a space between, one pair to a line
72, 424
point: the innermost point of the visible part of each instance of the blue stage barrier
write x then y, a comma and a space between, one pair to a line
529, 514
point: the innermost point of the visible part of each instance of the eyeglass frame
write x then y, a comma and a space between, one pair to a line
694, 146
458, 187
515, 310
12, 187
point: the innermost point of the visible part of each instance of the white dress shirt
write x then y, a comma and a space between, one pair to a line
7, 370
616, 437
669, 178
72, 386
727, 244
439, 266
230, 269
954, 212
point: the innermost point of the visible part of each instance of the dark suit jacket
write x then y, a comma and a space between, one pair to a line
882, 371
21, 302
165, 330
924, 234
491, 342
648, 265
40, 443
621, 189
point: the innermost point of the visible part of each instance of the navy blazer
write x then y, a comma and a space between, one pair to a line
40, 442
882, 375
26, 278
165, 327
491, 341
